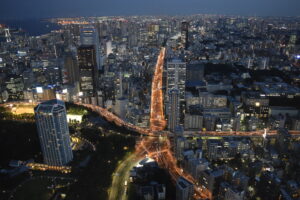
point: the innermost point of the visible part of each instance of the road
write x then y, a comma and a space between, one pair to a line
160, 150
157, 147
157, 118
119, 122
117, 191
121, 174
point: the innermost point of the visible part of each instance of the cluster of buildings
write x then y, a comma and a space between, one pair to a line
212, 63
54, 138
221, 74
150, 181
228, 76
240, 167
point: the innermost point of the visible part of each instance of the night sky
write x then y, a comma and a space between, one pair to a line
33, 9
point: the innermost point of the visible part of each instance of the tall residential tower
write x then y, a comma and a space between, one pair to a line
53, 132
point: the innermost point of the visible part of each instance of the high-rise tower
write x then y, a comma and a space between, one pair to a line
90, 36
176, 79
53, 132
185, 34
173, 110
87, 70
71, 75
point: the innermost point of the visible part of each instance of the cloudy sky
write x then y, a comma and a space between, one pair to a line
32, 9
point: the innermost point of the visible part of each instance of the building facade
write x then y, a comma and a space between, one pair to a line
176, 77
87, 70
173, 110
89, 36
184, 189
53, 132
71, 73
185, 34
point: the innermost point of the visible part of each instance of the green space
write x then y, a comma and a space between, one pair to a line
95, 179
5, 114
74, 109
36, 189
19, 141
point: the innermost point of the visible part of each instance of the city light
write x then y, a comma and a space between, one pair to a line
44, 167
157, 118
39, 90
206, 103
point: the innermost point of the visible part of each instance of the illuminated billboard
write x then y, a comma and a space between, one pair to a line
39, 90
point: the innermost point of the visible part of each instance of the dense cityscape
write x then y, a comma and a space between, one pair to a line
152, 108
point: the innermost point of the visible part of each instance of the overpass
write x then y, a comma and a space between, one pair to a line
111, 117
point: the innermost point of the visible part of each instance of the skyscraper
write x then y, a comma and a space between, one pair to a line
71, 75
176, 79
173, 109
87, 70
184, 189
185, 34
90, 36
53, 132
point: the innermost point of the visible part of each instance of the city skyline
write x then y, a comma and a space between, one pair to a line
67, 8
151, 107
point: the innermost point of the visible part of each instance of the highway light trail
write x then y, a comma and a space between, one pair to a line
158, 148
161, 152
109, 116
157, 118
152, 146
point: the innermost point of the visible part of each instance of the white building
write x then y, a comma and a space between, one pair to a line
53, 132
176, 77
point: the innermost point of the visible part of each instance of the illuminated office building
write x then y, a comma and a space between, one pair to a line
87, 70
90, 36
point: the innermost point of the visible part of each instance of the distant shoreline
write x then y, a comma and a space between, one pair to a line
32, 27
